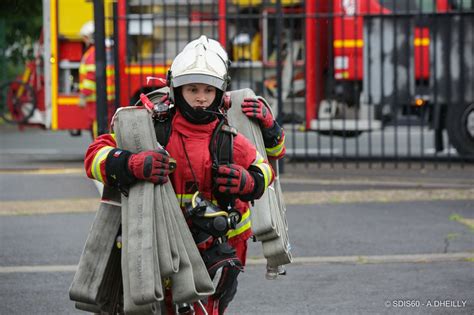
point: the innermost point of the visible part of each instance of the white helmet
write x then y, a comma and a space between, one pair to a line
212, 45
201, 61
87, 30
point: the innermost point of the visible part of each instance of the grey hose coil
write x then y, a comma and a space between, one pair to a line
156, 241
268, 215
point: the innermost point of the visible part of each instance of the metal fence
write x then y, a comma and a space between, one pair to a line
374, 80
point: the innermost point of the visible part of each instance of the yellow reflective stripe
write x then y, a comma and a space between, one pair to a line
95, 132
88, 84
244, 220
243, 225
422, 41
264, 167
24, 79
147, 70
111, 95
276, 150
84, 69
90, 98
88, 68
348, 43
186, 198
68, 100
259, 158
266, 171
100, 156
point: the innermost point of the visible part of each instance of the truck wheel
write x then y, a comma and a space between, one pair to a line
460, 126
17, 102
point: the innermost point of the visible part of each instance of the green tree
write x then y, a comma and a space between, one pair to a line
20, 23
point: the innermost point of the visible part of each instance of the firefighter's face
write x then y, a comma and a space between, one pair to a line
199, 95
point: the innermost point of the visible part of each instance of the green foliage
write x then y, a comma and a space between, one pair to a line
452, 236
455, 217
20, 22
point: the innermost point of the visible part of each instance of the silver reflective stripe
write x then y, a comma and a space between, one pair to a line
244, 221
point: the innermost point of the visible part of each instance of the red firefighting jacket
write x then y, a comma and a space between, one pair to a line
191, 140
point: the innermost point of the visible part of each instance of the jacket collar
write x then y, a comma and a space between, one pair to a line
188, 129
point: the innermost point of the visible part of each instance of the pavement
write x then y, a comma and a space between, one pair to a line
366, 238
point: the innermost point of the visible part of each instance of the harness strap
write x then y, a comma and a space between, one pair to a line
163, 131
222, 146
221, 149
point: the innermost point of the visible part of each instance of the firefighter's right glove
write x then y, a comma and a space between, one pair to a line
152, 166
234, 179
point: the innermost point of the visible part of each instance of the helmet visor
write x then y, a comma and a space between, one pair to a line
189, 78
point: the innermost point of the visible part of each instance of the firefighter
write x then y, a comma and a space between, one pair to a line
87, 84
198, 78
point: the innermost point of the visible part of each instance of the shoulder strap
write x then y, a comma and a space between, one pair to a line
221, 146
221, 149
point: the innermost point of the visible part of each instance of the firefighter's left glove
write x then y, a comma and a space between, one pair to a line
234, 179
152, 166
255, 108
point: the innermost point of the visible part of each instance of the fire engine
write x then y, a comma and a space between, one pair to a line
350, 65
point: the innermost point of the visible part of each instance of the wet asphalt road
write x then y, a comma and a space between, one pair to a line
371, 229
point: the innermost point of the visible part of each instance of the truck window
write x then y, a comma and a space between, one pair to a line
401, 6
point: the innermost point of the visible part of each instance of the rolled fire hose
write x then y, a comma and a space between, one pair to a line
156, 241
189, 277
268, 215
96, 284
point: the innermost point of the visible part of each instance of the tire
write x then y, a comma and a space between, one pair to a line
460, 127
17, 102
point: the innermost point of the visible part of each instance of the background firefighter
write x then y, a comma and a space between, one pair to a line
87, 82
198, 79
